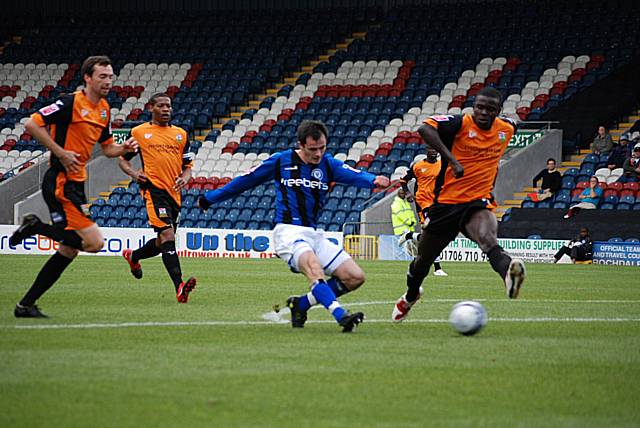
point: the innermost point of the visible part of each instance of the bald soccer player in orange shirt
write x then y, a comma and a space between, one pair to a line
471, 147
425, 173
166, 168
69, 128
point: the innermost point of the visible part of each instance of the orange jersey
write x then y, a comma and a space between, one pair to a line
425, 174
164, 151
478, 151
77, 125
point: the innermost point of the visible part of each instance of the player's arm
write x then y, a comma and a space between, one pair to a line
113, 150
137, 175
59, 112
432, 132
404, 182
255, 176
343, 173
187, 162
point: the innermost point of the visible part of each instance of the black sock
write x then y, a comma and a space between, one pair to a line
148, 250
48, 275
499, 260
67, 237
437, 266
413, 284
171, 262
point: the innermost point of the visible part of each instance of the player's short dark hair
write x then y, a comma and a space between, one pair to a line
491, 92
551, 159
90, 63
311, 128
154, 98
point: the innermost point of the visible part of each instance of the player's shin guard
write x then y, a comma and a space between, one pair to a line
48, 275
171, 262
306, 301
325, 296
148, 250
414, 281
499, 260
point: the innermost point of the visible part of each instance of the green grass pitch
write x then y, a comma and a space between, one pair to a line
122, 353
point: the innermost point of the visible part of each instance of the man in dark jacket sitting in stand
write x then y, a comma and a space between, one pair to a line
551, 182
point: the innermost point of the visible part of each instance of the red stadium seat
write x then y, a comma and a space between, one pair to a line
631, 186
616, 186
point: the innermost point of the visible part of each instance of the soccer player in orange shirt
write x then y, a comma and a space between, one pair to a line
69, 128
166, 168
425, 173
471, 147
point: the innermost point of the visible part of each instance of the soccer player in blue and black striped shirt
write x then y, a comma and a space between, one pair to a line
302, 178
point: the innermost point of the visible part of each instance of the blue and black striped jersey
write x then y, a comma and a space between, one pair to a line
301, 188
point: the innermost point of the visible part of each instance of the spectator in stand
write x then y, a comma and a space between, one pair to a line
602, 143
589, 198
631, 167
551, 182
580, 248
620, 153
118, 121
633, 133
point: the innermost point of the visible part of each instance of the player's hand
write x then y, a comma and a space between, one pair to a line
70, 161
179, 184
203, 203
139, 177
457, 168
381, 181
130, 146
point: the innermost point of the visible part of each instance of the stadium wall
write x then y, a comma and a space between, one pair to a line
550, 224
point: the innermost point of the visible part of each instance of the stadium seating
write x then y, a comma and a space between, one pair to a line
373, 96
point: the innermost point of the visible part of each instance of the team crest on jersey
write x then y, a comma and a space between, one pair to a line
502, 136
317, 174
85, 209
103, 114
179, 137
162, 212
84, 112
472, 133
147, 136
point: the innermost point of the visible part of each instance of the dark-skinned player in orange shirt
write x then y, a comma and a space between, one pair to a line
471, 147
166, 168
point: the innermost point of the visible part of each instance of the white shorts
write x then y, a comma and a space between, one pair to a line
292, 241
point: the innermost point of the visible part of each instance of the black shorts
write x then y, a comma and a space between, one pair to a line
66, 201
163, 211
446, 219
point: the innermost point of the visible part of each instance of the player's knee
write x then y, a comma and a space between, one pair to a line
93, 245
356, 279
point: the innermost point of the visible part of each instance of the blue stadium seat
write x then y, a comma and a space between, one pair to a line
606, 206
615, 239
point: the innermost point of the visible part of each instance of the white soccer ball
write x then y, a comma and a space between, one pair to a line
468, 317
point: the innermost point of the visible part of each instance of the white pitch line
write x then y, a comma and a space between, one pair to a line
245, 323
